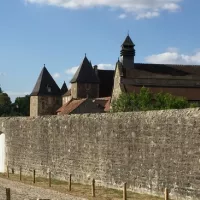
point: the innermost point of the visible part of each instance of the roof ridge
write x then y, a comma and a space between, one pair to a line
169, 64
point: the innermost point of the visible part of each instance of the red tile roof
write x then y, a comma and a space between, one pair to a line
104, 102
70, 106
75, 103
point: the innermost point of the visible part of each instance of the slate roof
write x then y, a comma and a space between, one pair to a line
106, 78
166, 69
45, 81
160, 69
85, 73
128, 42
64, 88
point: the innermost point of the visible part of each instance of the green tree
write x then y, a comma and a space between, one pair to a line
1, 91
22, 106
145, 100
5, 104
168, 101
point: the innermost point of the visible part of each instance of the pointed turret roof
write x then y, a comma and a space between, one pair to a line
128, 42
64, 88
85, 73
45, 85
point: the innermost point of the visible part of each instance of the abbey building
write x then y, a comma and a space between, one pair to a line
92, 89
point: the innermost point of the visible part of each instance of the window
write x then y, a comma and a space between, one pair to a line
48, 88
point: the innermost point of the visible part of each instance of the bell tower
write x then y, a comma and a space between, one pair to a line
127, 52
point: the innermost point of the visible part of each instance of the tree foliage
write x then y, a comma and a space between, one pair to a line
145, 100
20, 107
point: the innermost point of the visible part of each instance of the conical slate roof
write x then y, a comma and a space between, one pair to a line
128, 42
64, 88
85, 73
45, 85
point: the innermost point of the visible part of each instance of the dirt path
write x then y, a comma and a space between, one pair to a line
20, 191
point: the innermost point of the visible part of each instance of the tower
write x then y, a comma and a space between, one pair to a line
64, 88
46, 95
85, 83
127, 52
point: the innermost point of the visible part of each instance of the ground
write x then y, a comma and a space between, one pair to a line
59, 190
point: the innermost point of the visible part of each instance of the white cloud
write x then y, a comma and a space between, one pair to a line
148, 15
71, 70
56, 75
172, 56
122, 16
106, 66
139, 8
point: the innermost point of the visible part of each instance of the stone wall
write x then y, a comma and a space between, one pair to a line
44, 105
148, 150
84, 90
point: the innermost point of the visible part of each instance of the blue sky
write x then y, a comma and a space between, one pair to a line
59, 32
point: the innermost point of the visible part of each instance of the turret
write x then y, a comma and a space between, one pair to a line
46, 95
85, 83
127, 52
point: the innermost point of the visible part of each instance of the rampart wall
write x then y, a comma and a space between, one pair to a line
148, 150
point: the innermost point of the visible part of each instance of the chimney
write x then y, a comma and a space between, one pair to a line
96, 69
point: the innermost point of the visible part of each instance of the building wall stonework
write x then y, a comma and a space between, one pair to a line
44, 105
84, 90
34, 106
66, 99
117, 87
148, 150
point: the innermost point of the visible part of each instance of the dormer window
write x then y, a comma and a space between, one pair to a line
48, 88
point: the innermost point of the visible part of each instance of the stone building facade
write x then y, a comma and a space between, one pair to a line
46, 96
178, 80
128, 76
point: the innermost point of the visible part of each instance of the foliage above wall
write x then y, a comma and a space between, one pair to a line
145, 100
20, 107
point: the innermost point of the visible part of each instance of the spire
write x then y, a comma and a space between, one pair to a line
127, 52
64, 88
85, 73
128, 41
45, 85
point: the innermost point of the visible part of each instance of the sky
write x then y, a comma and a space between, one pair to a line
58, 33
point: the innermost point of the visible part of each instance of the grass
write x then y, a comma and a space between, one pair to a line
80, 190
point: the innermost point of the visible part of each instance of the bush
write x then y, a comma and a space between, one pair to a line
145, 100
